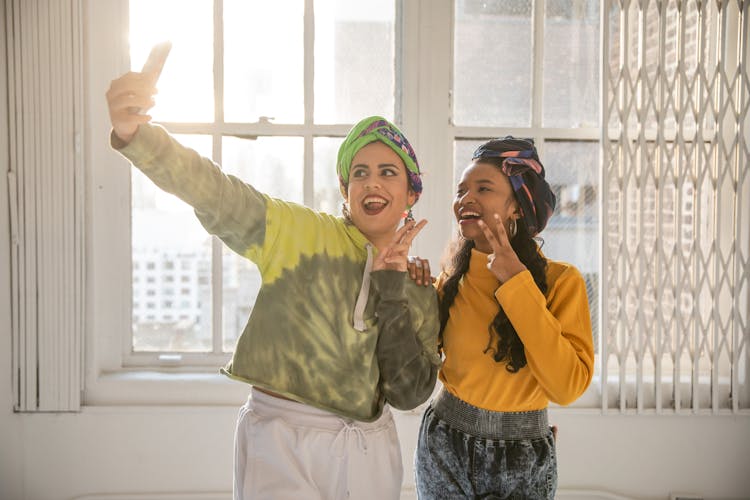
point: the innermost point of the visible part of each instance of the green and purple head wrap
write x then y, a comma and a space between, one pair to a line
520, 162
377, 128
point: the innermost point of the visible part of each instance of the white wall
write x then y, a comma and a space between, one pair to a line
189, 450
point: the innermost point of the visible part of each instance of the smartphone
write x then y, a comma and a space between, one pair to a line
153, 66
156, 59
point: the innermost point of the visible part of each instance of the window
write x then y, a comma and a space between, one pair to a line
545, 87
663, 193
264, 117
272, 137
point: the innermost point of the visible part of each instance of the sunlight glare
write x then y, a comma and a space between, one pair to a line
186, 83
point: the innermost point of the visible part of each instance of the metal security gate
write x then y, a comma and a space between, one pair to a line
676, 185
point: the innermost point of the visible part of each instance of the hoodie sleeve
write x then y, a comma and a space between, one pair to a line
407, 343
225, 205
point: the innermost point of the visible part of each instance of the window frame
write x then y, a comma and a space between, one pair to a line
113, 373
424, 28
590, 400
115, 376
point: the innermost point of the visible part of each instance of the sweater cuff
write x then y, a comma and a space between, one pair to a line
506, 292
142, 147
389, 284
116, 142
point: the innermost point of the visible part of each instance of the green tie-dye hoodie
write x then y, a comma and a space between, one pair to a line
301, 340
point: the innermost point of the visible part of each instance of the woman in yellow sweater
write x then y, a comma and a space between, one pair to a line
515, 335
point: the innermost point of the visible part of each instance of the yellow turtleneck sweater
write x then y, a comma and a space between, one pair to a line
555, 331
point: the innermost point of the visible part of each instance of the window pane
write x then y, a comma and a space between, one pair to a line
171, 268
263, 60
572, 235
571, 63
273, 165
354, 60
493, 63
240, 289
186, 92
462, 153
327, 193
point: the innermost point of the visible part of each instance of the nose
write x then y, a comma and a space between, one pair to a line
465, 199
372, 183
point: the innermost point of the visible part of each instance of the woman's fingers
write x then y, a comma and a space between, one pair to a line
128, 102
419, 270
426, 274
502, 234
400, 232
491, 239
130, 91
395, 255
412, 232
136, 83
413, 267
128, 98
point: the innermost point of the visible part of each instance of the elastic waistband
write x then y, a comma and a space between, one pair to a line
305, 415
489, 424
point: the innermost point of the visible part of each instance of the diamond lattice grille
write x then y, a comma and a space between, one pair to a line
676, 154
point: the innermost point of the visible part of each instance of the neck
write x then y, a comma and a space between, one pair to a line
482, 247
381, 241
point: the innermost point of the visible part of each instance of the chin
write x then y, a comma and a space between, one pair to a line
468, 235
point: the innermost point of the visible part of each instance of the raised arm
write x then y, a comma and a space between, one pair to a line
555, 330
226, 206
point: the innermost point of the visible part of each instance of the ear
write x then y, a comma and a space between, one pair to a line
516, 213
411, 198
344, 192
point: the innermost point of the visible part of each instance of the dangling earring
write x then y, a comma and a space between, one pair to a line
513, 227
409, 216
345, 212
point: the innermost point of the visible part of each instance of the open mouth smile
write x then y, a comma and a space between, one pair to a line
468, 217
373, 204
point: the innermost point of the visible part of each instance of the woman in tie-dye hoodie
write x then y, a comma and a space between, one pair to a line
338, 333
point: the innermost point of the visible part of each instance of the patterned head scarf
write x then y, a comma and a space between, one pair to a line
377, 128
524, 169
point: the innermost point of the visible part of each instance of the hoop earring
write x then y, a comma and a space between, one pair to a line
513, 227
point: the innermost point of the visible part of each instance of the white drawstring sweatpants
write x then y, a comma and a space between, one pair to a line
288, 450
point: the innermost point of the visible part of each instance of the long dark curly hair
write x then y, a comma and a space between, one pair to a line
508, 346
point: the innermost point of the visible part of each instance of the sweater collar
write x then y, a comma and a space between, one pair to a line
478, 266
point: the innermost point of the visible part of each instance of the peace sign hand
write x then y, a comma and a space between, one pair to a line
394, 256
503, 261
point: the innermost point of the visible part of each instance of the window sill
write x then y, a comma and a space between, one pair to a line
160, 388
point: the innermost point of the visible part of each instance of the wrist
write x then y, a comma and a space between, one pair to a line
511, 271
119, 140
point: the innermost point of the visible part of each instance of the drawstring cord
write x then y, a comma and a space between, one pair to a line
364, 293
346, 433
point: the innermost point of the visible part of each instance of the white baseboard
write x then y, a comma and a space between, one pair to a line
407, 493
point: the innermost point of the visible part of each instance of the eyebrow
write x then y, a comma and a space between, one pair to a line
380, 165
480, 181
